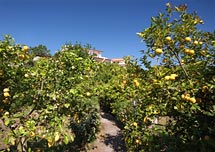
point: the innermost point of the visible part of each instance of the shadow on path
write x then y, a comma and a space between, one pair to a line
111, 118
116, 142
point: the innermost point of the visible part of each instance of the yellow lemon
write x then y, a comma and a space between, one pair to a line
168, 38
191, 52
6, 94
1, 72
145, 119
171, 78
25, 48
137, 141
136, 83
26, 75
159, 51
6, 90
154, 80
173, 75
124, 81
193, 100
182, 61
183, 96
167, 77
187, 39
21, 56
88, 94
195, 22
196, 42
135, 124
186, 51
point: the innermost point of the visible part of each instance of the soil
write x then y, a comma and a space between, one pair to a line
110, 138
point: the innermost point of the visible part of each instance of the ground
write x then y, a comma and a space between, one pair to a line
110, 138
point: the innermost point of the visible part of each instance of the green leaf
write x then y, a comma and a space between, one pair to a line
174, 98
72, 138
67, 105
66, 139
214, 108
153, 19
7, 121
73, 91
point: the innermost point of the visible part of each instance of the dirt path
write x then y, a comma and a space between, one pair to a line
110, 139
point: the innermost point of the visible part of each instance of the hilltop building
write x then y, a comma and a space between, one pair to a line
98, 57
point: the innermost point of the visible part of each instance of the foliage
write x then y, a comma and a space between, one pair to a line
46, 105
40, 50
179, 92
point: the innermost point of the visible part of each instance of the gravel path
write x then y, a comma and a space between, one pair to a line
110, 139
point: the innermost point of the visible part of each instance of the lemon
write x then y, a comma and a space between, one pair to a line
191, 52
136, 83
137, 141
6, 94
25, 48
159, 51
88, 94
196, 42
173, 75
26, 75
193, 100
135, 124
167, 77
21, 56
6, 90
168, 38
186, 51
187, 39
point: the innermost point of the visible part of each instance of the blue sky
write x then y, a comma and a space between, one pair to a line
108, 25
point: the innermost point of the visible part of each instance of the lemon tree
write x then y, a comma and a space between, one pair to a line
177, 98
45, 105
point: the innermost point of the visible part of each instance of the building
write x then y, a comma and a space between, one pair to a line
98, 57
120, 61
97, 53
